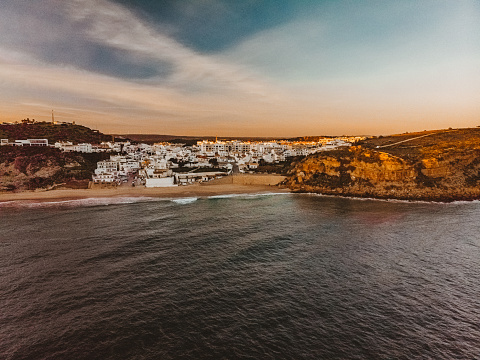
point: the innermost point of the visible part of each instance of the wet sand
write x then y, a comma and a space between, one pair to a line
195, 190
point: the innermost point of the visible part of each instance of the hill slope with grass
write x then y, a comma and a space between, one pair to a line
53, 132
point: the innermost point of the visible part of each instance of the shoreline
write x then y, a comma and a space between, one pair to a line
194, 190
425, 197
206, 190
385, 199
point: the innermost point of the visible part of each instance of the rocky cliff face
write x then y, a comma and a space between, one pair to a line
29, 168
364, 172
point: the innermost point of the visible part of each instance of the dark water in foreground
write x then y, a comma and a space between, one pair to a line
266, 277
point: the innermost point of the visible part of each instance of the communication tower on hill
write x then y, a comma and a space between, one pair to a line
53, 118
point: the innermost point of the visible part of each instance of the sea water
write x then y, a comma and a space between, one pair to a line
253, 277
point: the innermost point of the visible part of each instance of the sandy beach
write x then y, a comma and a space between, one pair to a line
194, 190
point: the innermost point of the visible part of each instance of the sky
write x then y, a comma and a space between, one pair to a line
278, 68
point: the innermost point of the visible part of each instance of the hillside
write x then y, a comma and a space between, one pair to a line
29, 168
52, 132
442, 165
189, 140
154, 138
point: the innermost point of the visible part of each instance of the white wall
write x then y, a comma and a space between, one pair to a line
161, 182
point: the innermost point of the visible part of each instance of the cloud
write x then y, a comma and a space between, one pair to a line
83, 83
120, 105
116, 26
85, 33
196, 86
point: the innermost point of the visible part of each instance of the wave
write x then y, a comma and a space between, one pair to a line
245, 195
184, 201
105, 201
457, 202
79, 202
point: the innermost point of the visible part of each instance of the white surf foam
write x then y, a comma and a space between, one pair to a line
459, 202
79, 202
227, 196
184, 201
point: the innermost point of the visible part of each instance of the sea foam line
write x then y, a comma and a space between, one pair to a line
184, 201
100, 201
457, 202
105, 201
189, 200
246, 195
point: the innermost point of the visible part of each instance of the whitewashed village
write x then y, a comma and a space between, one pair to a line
167, 164
170, 164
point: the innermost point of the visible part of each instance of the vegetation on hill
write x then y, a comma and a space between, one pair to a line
153, 138
427, 143
52, 132
311, 138
180, 139
281, 168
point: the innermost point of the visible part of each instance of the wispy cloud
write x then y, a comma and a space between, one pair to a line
116, 26
83, 83
198, 84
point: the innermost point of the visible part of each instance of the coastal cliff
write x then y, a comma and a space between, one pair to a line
435, 166
29, 168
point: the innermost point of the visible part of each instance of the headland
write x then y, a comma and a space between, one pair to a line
441, 165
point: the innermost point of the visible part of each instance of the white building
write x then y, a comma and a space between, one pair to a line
84, 148
32, 142
113, 177
106, 166
160, 182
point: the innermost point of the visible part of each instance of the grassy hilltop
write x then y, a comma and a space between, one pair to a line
440, 165
52, 132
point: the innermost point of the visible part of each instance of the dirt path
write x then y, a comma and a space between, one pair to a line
414, 138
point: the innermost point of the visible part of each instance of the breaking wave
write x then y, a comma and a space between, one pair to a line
106, 201
228, 196
78, 202
184, 201
400, 201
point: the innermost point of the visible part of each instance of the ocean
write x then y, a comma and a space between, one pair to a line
280, 276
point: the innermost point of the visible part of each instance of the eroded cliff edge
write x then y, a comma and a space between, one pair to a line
30, 168
434, 166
